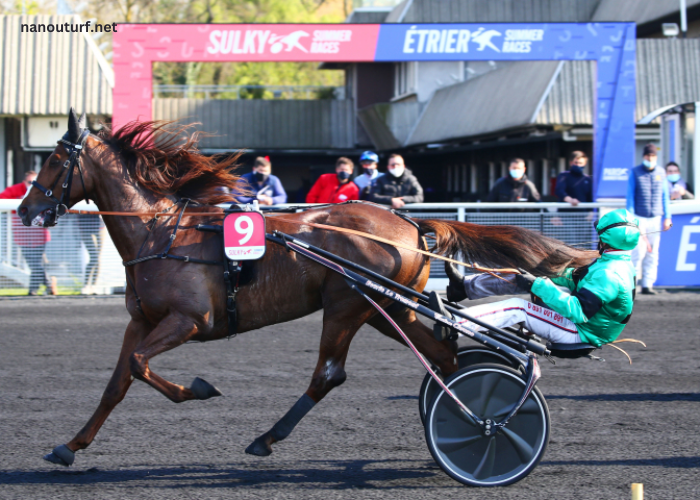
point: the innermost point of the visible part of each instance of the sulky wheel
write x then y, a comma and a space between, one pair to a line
461, 448
466, 356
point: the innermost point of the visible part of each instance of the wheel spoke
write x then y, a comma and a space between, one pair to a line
521, 446
489, 382
529, 406
485, 467
453, 444
457, 412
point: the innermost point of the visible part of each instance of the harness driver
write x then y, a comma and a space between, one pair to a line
595, 311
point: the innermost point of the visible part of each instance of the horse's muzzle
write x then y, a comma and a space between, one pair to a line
45, 218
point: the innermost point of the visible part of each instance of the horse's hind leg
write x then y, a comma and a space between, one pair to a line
338, 332
174, 330
114, 393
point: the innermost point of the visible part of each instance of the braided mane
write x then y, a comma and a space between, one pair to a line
164, 158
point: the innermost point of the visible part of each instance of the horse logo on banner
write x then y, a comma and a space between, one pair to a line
483, 38
291, 41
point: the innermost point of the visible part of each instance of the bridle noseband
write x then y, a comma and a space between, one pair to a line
73, 149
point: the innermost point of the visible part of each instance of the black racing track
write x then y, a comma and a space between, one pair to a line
612, 424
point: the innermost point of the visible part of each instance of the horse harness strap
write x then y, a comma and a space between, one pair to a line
232, 269
165, 254
73, 149
232, 276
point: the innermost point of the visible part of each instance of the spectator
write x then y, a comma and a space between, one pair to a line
337, 187
574, 186
32, 240
648, 199
364, 181
266, 188
679, 190
515, 187
91, 230
397, 188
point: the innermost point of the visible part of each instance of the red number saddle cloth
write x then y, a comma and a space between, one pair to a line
244, 235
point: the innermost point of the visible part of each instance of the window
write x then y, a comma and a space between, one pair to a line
405, 78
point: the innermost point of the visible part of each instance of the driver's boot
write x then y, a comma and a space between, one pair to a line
455, 290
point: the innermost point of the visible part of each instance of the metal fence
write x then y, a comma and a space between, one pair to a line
81, 258
248, 91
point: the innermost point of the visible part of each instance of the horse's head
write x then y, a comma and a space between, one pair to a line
62, 182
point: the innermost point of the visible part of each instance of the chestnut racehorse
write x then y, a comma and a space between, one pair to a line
144, 168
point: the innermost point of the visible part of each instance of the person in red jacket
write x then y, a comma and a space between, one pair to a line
32, 240
335, 188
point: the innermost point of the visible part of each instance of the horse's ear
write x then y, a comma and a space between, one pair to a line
82, 121
73, 125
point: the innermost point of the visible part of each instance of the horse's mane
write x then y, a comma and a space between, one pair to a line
164, 158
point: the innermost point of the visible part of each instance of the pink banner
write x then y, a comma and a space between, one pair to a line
137, 46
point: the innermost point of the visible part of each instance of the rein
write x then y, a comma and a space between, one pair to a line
401, 245
312, 224
140, 214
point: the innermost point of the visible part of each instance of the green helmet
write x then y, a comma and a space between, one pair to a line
619, 229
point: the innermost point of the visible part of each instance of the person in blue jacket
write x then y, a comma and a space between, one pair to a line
648, 199
370, 173
574, 186
264, 186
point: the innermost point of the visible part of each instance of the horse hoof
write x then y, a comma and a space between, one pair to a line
259, 447
203, 389
61, 455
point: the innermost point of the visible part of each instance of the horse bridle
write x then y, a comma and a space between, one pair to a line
73, 149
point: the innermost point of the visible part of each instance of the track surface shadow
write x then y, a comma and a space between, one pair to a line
335, 474
661, 398
670, 462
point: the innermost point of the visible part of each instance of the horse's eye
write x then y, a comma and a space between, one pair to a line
55, 161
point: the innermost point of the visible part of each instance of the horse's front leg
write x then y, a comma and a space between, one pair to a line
113, 395
173, 331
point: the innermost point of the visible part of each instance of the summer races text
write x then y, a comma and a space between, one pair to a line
86, 27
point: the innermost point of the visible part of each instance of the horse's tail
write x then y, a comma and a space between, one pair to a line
505, 246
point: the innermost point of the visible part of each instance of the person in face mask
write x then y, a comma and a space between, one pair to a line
397, 188
648, 199
364, 181
337, 187
574, 186
261, 185
677, 186
515, 186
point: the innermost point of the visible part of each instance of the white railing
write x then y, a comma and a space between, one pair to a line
82, 258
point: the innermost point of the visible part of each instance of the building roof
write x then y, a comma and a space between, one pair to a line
374, 120
507, 98
640, 12
368, 15
535, 11
570, 100
538, 93
47, 73
668, 72
500, 11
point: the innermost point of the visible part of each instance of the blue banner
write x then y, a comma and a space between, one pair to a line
679, 252
612, 45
